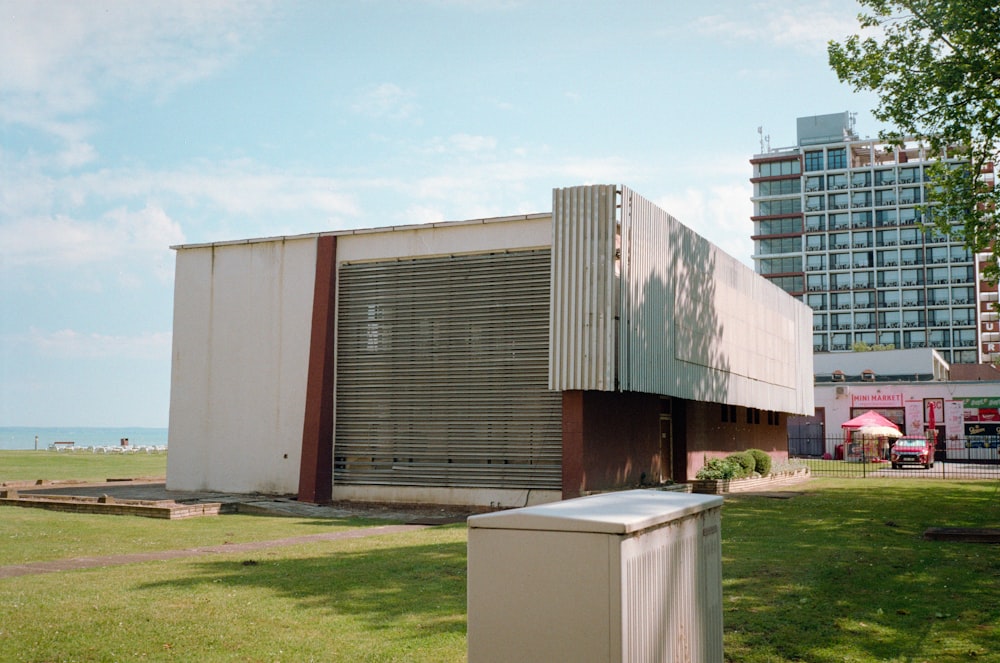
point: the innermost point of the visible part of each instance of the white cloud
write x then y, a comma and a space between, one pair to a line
459, 144
421, 214
76, 154
69, 343
244, 189
121, 237
488, 184
385, 101
106, 229
597, 170
229, 188
720, 214
805, 26
51, 241
57, 57
468, 143
478, 5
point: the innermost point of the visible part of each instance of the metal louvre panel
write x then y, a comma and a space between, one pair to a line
442, 373
582, 345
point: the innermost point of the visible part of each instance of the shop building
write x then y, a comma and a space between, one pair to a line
911, 388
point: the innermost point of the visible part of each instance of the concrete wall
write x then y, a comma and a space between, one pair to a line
242, 320
515, 232
243, 316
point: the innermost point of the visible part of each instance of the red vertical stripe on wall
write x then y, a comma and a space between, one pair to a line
316, 469
573, 477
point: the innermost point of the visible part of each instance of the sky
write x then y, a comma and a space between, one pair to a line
130, 127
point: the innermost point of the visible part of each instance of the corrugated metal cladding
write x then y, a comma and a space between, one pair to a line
698, 324
442, 373
584, 291
642, 303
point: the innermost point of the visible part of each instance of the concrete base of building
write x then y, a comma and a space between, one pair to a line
498, 498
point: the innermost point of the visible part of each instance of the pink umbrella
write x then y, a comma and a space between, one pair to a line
872, 423
870, 426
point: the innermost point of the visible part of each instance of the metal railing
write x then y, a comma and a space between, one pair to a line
973, 458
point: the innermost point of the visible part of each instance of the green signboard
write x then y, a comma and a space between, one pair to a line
980, 402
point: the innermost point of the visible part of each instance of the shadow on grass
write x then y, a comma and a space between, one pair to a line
840, 572
380, 586
844, 572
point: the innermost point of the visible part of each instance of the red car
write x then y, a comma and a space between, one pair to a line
912, 450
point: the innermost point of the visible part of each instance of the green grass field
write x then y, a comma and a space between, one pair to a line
842, 573
80, 466
837, 573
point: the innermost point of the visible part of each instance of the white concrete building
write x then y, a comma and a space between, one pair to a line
492, 361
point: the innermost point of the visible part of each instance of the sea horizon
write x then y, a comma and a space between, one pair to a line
23, 437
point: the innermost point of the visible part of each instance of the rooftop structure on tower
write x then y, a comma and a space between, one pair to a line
839, 221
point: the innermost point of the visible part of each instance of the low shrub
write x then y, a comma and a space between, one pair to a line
719, 468
763, 461
745, 461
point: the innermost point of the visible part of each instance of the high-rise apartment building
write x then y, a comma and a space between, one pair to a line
838, 223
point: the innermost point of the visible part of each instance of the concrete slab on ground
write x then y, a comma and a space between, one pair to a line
153, 490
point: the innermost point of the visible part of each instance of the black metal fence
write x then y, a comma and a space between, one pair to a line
973, 458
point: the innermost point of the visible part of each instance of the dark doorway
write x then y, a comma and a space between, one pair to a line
666, 447
807, 435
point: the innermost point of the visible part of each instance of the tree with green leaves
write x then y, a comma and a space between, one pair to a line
861, 346
936, 67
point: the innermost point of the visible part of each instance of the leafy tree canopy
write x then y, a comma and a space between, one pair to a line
861, 346
936, 67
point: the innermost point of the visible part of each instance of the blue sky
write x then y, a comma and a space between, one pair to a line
128, 127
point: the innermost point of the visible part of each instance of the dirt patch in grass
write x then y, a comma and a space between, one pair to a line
963, 534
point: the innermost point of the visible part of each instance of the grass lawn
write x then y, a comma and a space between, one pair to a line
841, 573
837, 573
79, 465
35, 535
32, 535
385, 598
842, 468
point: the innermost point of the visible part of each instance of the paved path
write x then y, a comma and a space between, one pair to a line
116, 560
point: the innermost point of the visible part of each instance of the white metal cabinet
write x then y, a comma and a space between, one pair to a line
632, 577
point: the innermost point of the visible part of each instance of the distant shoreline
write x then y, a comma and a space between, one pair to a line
23, 437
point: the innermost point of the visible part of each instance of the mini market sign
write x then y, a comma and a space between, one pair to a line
876, 401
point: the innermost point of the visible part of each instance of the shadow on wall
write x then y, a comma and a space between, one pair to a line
675, 328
